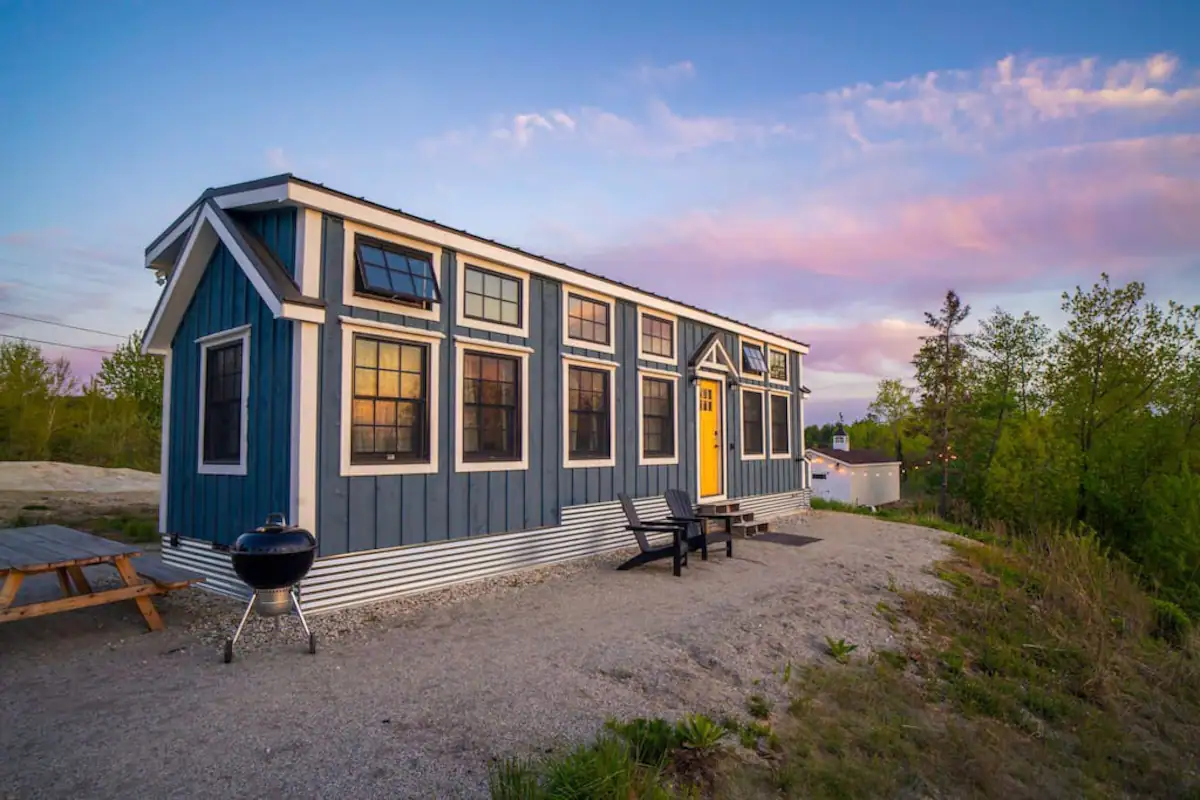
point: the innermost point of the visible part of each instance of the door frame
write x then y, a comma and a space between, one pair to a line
721, 380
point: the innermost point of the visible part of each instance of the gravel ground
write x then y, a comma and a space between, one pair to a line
412, 698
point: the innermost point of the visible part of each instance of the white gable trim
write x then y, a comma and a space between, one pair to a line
722, 362
180, 229
208, 230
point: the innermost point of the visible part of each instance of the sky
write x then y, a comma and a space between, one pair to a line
825, 170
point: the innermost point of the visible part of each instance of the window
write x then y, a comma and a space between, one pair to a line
779, 365
390, 418
781, 441
588, 409
491, 297
657, 338
223, 404
658, 418
491, 402
752, 423
752, 359
588, 320
395, 272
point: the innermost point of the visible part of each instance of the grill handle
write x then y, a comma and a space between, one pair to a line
276, 518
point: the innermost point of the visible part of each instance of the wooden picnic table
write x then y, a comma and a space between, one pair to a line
53, 548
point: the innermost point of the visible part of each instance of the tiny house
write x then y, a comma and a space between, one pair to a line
434, 406
859, 477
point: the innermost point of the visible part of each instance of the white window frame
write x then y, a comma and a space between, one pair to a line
350, 232
752, 376
460, 315
583, 344
643, 355
568, 361
219, 339
521, 353
395, 333
771, 428
762, 404
787, 360
645, 373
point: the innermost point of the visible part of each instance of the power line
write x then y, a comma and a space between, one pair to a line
60, 324
54, 344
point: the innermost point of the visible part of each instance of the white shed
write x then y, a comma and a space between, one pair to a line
857, 477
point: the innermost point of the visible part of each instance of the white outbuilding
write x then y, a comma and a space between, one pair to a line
858, 477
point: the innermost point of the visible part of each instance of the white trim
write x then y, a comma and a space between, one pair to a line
819, 456
584, 344
662, 373
762, 403
242, 334
590, 361
489, 344
583, 362
721, 362
787, 360
432, 404
349, 298
671, 318
306, 356
461, 345
308, 251
723, 418
253, 197
364, 213
301, 312
462, 261
164, 462
239, 255
181, 228
391, 327
752, 376
771, 447
658, 375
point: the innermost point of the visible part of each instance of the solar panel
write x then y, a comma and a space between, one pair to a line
396, 273
752, 359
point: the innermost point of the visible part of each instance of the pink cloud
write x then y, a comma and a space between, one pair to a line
868, 348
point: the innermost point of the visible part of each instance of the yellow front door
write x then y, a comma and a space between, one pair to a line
710, 438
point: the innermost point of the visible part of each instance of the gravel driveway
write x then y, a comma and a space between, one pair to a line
412, 698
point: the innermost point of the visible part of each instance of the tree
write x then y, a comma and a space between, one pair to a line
892, 408
128, 374
32, 390
941, 365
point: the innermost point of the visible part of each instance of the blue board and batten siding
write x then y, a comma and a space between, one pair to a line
217, 508
360, 513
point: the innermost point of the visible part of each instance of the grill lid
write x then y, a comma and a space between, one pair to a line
275, 537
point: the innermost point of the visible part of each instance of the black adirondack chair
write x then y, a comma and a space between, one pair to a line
696, 536
677, 550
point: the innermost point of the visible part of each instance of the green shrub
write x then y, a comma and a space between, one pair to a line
650, 740
513, 779
603, 770
840, 649
1171, 623
699, 732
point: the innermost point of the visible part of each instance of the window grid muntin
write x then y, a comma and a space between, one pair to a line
777, 363
658, 336
477, 301
389, 406
588, 400
223, 403
491, 402
658, 418
588, 320
394, 273
752, 359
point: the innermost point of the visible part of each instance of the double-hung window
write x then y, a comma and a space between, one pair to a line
656, 337
390, 416
224, 401
491, 402
778, 365
752, 423
781, 429
658, 418
588, 399
491, 297
588, 321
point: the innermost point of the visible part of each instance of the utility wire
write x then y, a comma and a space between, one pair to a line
54, 344
60, 324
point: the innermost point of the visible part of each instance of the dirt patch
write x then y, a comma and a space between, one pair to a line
122, 503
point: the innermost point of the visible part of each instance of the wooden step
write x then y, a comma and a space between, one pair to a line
748, 530
718, 508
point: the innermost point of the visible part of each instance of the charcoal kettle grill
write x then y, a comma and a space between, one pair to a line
272, 559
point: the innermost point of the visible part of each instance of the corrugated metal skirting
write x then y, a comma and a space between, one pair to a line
356, 578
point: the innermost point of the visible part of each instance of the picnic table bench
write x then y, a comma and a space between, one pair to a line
64, 551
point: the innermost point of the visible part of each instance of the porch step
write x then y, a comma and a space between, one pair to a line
748, 530
718, 508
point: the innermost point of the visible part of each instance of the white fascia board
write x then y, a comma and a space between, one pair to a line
180, 229
365, 214
253, 197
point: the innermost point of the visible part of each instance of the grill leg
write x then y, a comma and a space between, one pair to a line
312, 638
245, 616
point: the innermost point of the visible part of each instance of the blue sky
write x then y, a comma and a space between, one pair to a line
823, 169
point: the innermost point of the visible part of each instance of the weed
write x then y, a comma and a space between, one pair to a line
751, 732
1171, 623
840, 649
887, 613
513, 779
787, 673
650, 740
892, 586
698, 732
758, 706
893, 659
